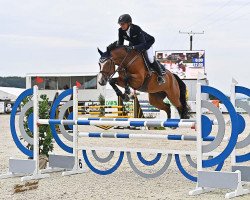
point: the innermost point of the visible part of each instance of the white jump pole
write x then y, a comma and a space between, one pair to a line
233, 99
37, 172
198, 126
76, 169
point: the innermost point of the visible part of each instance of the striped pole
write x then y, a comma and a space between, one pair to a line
172, 123
125, 118
118, 117
143, 136
99, 112
101, 107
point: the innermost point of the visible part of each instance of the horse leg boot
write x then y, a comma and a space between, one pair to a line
157, 68
127, 89
118, 92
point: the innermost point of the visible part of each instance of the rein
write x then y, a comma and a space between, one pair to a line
130, 62
120, 68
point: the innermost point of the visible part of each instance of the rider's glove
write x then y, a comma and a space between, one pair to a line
130, 48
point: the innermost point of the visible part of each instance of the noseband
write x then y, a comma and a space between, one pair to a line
120, 68
106, 73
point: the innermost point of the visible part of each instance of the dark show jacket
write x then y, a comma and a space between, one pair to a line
138, 38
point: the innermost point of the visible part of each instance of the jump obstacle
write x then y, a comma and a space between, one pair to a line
206, 144
95, 110
105, 111
131, 110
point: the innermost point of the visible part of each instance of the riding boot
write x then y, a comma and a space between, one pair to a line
157, 68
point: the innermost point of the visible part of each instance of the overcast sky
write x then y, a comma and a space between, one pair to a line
62, 35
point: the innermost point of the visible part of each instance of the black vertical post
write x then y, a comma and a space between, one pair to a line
191, 42
191, 33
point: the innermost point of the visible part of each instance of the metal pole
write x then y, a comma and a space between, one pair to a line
191, 42
191, 33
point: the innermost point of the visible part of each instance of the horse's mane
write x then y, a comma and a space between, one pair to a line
107, 54
114, 46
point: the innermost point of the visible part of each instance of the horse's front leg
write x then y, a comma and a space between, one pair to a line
126, 85
117, 81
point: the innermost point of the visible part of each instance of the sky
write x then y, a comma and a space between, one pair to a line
50, 36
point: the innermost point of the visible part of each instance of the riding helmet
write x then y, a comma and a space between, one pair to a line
126, 18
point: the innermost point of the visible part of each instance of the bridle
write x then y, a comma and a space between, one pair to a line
120, 68
106, 73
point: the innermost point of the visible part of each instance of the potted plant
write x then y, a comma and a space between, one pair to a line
45, 135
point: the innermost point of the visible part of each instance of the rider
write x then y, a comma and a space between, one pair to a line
140, 41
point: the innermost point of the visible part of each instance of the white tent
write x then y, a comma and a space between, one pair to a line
10, 93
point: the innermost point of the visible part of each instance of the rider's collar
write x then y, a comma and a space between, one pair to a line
128, 31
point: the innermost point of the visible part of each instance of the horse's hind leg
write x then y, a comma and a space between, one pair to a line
156, 99
178, 97
177, 103
183, 111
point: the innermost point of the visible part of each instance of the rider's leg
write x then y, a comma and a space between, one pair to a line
155, 65
150, 54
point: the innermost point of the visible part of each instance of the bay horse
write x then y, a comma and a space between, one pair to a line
133, 73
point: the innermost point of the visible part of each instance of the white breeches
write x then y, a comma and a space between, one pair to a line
150, 53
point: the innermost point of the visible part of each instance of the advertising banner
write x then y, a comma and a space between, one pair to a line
186, 64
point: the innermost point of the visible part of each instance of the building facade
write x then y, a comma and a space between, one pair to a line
50, 83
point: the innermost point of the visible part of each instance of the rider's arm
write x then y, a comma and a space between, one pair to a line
143, 44
120, 37
141, 39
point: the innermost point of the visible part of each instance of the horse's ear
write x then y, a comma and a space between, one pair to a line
100, 52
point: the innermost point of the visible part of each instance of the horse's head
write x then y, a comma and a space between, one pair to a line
107, 67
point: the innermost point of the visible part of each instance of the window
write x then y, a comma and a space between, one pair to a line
63, 83
90, 82
78, 79
50, 83
34, 82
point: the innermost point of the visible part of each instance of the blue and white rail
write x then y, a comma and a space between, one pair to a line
172, 123
137, 122
144, 136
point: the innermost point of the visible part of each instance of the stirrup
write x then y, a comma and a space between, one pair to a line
161, 80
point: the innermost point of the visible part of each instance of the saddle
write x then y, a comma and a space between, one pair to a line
150, 70
149, 66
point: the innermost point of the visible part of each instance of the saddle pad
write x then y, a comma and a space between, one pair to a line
150, 68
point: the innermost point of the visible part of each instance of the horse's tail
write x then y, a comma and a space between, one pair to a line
183, 89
